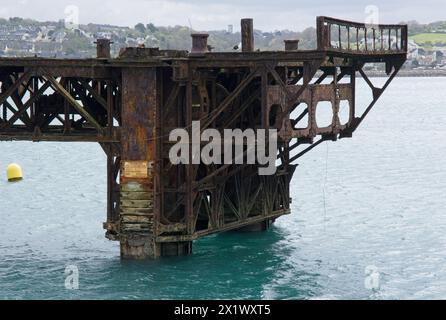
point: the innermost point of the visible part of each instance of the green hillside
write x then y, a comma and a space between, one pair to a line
430, 39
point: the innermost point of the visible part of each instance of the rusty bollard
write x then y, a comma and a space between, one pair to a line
199, 43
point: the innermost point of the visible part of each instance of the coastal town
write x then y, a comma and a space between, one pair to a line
24, 37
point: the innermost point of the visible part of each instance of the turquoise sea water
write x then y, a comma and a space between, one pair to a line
376, 200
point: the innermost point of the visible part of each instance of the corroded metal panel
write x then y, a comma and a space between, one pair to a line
138, 140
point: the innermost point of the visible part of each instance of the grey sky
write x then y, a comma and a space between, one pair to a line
211, 14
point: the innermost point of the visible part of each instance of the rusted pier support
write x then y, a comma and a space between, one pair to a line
138, 114
131, 104
140, 172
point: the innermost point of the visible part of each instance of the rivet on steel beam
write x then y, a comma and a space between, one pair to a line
103, 48
291, 45
247, 31
199, 42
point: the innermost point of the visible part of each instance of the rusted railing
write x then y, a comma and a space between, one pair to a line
342, 35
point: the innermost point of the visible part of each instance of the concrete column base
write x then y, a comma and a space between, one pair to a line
138, 248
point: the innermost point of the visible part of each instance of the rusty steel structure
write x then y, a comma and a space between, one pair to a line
130, 103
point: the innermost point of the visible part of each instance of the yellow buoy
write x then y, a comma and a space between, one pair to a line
14, 172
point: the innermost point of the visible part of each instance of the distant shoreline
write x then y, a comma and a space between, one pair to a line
410, 73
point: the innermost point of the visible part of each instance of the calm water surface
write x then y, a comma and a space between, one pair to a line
375, 200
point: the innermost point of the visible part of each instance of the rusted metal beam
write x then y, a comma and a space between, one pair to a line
376, 95
59, 88
245, 105
234, 94
25, 106
94, 93
9, 91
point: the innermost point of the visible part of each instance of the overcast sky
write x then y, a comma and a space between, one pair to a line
218, 14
